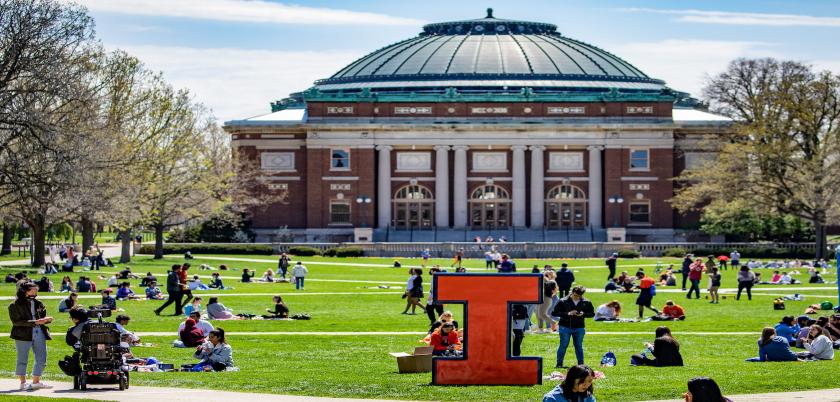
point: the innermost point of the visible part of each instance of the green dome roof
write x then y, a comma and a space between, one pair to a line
490, 52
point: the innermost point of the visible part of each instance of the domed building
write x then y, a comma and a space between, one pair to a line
485, 127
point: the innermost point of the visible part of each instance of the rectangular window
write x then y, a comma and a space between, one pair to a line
340, 212
639, 159
339, 159
640, 212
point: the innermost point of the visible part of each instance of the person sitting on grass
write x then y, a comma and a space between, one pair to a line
671, 312
195, 305
611, 286
191, 335
127, 274
216, 282
787, 329
704, 389
818, 345
215, 354
195, 284
280, 309
786, 279
445, 340
610, 311
446, 317
268, 276
149, 278
124, 292
83, 285
804, 323
109, 301
218, 311
575, 387
126, 336
66, 285
70, 303
247, 275
773, 348
775, 278
665, 350
626, 282
202, 325
112, 281
153, 291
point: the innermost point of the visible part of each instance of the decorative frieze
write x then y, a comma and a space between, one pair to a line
565, 161
340, 186
639, 109
639, 187
414, 161
277, 161
566, 110
413, 110
489, 110
489, 161
278, 186
340, 110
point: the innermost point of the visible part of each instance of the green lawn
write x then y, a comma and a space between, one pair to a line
359, 365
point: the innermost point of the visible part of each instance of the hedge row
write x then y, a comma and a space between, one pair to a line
304, 251
210, 248
759, 252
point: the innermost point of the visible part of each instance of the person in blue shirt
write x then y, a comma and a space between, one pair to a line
425, 255
773, 348
788, 329
108, 300
507, 265
576, 387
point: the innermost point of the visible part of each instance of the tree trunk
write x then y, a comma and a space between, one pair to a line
39, 233
88, 229
7, 240
125, 252
158, 241
820, 238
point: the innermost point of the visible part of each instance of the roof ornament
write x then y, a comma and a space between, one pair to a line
490, 13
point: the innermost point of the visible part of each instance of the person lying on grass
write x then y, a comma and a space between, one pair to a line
280, 309
215, 354
665, 350
445, 340
575, 387
218, 311
196, 284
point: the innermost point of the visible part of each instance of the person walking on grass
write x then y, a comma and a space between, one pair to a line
173, 290
299, 272
611, 263
570, 313
414, 291
646, 293
714, 285
565, 278
695, 273
29, 331
685, 269
283, 266
746, 280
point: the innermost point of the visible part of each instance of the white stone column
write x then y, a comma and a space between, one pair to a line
459, 186
596, 195
442, 186
518, 216
537, 186
383, 194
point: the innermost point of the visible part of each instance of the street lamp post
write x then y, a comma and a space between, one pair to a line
361, 200
616, 199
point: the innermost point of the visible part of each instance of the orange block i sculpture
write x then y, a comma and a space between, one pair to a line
487, 301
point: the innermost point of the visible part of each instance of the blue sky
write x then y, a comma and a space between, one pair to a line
238, 55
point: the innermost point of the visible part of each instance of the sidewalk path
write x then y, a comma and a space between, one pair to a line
111, 251
349, 333
158, 394
824, 395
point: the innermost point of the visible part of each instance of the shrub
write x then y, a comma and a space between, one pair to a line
628, 253
348, 252
210, 248
304, 251
674, 252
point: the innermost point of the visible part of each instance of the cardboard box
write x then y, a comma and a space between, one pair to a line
419, 362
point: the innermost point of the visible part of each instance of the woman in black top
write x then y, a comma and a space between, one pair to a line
280, 309
665, 349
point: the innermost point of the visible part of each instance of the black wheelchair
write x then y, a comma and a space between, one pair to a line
100, 356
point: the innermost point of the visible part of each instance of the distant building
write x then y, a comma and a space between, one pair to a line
479, 127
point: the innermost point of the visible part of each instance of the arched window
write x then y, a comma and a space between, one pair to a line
565, 207
489, 207
413, 207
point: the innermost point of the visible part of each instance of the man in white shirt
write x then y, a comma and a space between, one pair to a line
113, 281
735, 259
204, 326
299, 273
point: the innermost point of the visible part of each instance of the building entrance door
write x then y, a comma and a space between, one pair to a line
565, 208
489, 208
413, 208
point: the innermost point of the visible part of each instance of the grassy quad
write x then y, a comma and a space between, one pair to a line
359, 366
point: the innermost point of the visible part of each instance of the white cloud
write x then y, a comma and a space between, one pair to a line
238, 83
255, 11
735, 18
685, 64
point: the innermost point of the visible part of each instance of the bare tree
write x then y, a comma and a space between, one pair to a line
784, 154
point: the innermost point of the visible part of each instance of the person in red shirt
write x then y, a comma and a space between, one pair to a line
444, 339
695, 273
645, 293
182, 278
673, 311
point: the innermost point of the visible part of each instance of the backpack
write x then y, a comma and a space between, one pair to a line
519, 312
778, 304
609, 359
653, 290
826, 305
